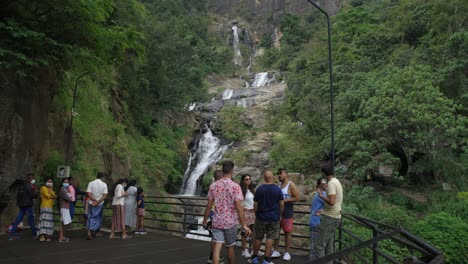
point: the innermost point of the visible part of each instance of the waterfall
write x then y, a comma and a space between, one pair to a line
191, 107
261, 79
227, 94
235, 45
242, 103
207, 152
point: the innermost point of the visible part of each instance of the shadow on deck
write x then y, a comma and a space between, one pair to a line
155, 247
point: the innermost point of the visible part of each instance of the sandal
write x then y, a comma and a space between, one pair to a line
114, 237
126, 237
66, 239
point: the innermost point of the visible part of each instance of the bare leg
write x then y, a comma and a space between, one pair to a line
256, 246
244, 242
268, 246
122, 219
287, 240
61, 233
216, 252
276, 244
230, 254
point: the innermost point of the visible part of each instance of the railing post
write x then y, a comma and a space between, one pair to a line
375, 246
340, 234
185, 216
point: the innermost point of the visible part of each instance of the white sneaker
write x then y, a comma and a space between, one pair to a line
245, 253
275, 254
286, 256
260, 253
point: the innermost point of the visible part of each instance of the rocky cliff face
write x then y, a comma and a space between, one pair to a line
24, 129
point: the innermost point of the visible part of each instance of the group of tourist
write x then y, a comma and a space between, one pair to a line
127, 207
264, 211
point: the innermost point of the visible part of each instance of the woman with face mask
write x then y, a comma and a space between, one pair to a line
46, 218
64, 202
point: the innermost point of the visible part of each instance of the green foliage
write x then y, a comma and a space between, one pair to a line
447, 233
448, 202
231, 125
362, 197
397, 198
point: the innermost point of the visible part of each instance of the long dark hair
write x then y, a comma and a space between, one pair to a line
119, 181
130, 183
244, 186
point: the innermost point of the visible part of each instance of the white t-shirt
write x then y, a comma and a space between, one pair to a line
119, 199
334, 188
248, 202
97, 188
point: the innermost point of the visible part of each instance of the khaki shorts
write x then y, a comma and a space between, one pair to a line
271, 229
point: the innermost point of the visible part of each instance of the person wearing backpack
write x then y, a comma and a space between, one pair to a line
25, 201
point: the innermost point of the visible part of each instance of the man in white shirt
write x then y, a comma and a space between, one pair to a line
97, 192
331, 217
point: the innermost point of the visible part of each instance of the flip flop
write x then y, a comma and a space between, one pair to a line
127, 237
114, 237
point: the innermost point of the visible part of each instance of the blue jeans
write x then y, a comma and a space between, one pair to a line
29, 212
72, 209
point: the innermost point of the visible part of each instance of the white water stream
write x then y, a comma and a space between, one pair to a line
209, 150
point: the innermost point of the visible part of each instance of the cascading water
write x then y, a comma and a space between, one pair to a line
227, 94
191, 107
242, 103
235, 45
208, 151
261, 79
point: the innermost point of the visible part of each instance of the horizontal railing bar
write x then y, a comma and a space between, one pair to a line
353, 248
378, 251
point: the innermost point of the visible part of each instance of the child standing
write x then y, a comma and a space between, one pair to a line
140, 212
64, 203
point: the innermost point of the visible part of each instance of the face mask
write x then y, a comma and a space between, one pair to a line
65, 184
33, 181
49, 184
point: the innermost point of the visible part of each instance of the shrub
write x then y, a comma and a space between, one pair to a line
448, 233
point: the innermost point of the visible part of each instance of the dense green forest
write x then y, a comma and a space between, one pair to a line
401, 94
140, 62
400, 78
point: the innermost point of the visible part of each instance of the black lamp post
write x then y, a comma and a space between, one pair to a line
332, 118
73, 113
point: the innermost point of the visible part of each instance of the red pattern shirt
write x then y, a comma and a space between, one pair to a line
225, 193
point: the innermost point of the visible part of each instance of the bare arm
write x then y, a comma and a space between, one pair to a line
281, 203
294, 193
330, 199
100, 200
207, 212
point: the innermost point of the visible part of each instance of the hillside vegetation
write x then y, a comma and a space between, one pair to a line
135, 63
400, 78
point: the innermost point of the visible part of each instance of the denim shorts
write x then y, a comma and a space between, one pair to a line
225, 235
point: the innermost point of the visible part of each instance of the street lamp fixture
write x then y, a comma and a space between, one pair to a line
332, 114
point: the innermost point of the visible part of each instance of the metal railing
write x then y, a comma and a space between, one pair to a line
359, 240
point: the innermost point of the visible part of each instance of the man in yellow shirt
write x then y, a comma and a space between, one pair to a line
331, 216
